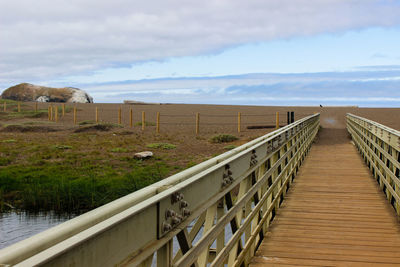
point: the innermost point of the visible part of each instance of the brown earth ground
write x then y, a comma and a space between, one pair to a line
31, 143
177, 126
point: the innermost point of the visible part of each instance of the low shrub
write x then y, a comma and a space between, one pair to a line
98, 127
147, 123
223, 138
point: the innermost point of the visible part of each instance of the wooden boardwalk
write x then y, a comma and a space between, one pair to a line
334, 215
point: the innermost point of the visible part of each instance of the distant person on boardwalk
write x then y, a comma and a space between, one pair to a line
320, 106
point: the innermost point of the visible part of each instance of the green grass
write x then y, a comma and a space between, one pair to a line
165, 146
69, 187
119, 150
229, 147
38, 123
223, 138
9, 141
73, 173
63, 147
23, 114
8, 101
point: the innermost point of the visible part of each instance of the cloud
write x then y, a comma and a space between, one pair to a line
364, 88
53, 38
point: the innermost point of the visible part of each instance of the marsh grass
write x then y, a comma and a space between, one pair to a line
147, 123
83, 172
63, 188
165, 146
119, 150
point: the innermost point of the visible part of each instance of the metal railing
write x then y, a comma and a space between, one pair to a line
379, 145
218, 212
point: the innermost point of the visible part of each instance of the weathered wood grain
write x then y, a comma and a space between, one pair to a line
334, 215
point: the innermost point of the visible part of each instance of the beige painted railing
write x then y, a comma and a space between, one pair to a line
218, 212
380, 147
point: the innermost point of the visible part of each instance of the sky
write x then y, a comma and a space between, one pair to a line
254, 52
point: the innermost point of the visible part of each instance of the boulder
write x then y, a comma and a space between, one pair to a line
30, 92
143, 155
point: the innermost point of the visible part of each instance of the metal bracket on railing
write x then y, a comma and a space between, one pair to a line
275, 143
174, 217
253, 158
227, 178
270, 147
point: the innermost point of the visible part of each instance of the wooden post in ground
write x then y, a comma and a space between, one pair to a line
48, 113
63, 109
143, 120
19, 107
97, 115
239, 121
131, 117
158, 123
36, 106
119, 115
277, 120
56, 114
51, 112
197, 123
74, 115
5, 106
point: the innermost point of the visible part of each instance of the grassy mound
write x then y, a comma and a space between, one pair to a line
17, 128
103, 127
223, 138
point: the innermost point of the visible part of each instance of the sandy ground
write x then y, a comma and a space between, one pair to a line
178, 127
220, 118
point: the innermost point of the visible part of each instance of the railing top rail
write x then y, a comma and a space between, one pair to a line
376, 124
102, 218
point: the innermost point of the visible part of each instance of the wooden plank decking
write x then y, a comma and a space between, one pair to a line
334, 215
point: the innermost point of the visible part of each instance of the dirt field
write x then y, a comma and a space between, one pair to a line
36, 152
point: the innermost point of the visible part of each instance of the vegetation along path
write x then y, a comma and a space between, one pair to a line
334, 215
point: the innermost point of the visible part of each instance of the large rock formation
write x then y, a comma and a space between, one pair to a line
30, 92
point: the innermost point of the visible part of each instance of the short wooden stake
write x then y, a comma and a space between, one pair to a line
119, 115
239, 121
97, 115
143, 120
51, 112
19, 107
36, 106
75, 115
131, 117
48, 113
277, 120
56, 114
197, 123
63, 109
158, 123
5, 106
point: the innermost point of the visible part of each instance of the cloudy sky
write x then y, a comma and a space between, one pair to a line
258, 52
